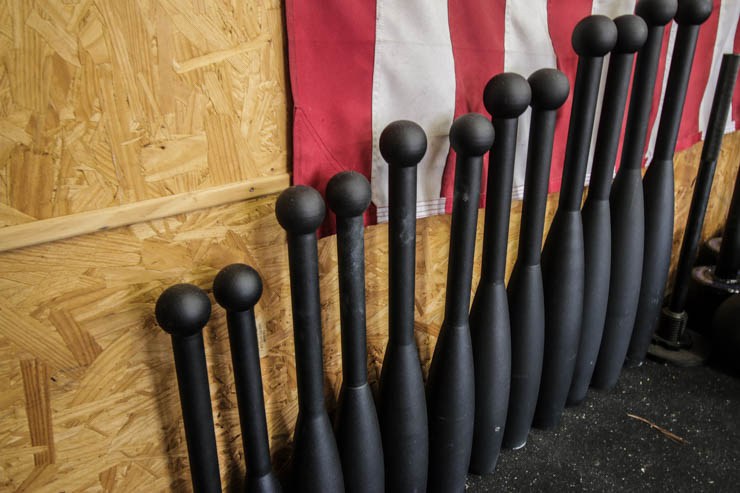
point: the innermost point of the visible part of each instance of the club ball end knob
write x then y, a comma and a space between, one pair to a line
507, 95
471, 134
594, 36
237, 287
693, 12
348, 194
403, 143
632, 33
300, 209
656, 12
550, 88
183, 310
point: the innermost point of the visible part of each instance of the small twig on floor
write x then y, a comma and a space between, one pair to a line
667, 433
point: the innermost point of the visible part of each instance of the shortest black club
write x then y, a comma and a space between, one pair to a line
403, 143
348, 194
632, 33
656, 12
693, 12
550, 88
300, 209
507, 95
594, 36
237, 287
183, 310
471, 135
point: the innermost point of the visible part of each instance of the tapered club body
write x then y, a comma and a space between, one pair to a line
563, 256
402, 407
183, 310
631, 35
356, 424
525, 293
237, 288
451, 385
316, 464
658, 182
626, 201
673, 316
506, 96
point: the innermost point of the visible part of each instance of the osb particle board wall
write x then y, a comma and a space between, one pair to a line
89, 398
107, 104
110, 102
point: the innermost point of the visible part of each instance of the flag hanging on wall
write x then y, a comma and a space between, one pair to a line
356, 66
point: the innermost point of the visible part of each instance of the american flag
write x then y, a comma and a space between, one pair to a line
357, 65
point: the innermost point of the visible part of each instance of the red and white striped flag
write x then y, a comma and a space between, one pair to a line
356, 66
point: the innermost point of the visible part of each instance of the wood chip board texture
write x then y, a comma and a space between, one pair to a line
109, 102
89, 399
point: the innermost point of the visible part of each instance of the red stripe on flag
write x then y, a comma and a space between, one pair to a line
561, 22
477, 35
689, 132
331, 53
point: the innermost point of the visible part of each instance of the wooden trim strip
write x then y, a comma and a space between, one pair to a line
59, 228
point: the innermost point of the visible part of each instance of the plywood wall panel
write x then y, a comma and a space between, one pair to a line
89, 395
109, 102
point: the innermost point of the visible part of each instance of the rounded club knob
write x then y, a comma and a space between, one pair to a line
594, 36
632, 33
550, 88
693, 12
183, 310
471, 134
300, 209
237, 287
403, 143
348, 194
656, 12
507, 95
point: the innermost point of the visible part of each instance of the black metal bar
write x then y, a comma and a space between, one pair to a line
550, 89
631, 35
237, 288
451, 384
506, 97
563, 267
316, 464
356, 424
703, 184
183, 310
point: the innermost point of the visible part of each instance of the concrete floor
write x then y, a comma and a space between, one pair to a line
598, 447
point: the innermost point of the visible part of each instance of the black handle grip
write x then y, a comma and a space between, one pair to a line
316, 465
631, 34
506, 97
550, 89
183, 310
402, 404
451, 384
658, 181
563, 269
237, 288
356, 424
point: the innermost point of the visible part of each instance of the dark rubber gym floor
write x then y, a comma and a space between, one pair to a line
599, 447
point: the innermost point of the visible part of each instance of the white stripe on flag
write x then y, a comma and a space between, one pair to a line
413, 79
527, 48
611, 9
656, 123
729, 13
